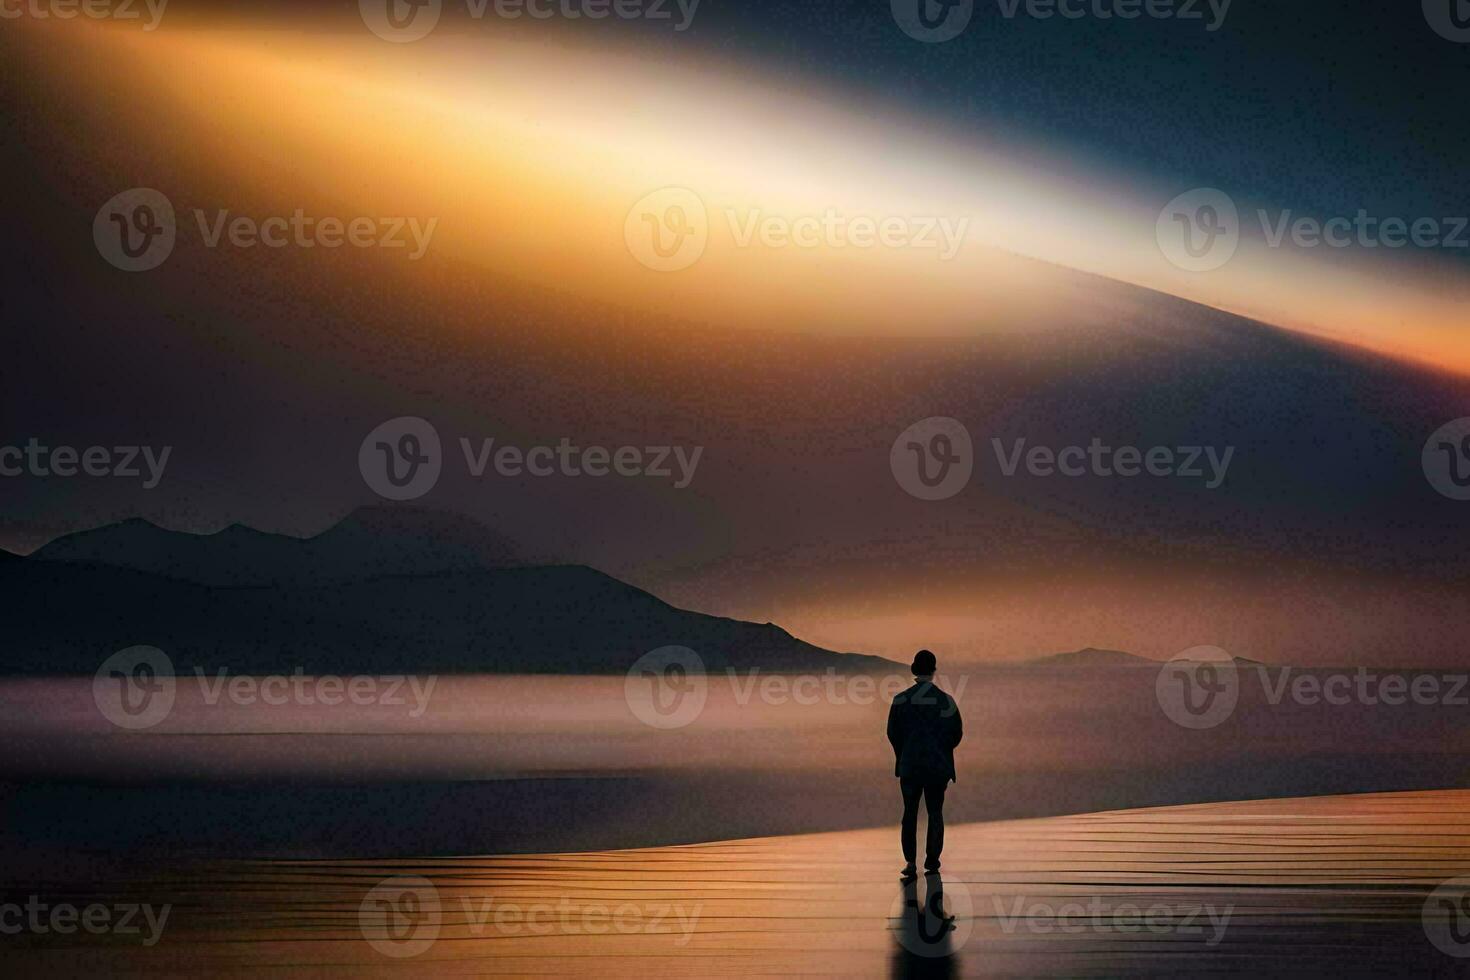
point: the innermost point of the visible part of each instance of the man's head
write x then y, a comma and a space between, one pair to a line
924, 664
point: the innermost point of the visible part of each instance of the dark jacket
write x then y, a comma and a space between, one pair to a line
923, 728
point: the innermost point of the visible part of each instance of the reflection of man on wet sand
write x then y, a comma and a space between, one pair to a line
923, 728
924, 931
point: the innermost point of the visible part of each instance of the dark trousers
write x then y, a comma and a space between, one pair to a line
933, 793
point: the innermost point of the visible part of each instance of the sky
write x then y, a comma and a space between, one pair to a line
1060, 140
1028, 172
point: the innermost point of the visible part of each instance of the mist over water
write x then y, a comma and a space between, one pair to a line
785, 753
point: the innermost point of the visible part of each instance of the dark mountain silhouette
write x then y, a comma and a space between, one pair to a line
1093, 657
1323, 530
370, 541
68, 614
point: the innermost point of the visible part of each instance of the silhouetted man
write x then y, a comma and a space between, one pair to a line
923, 728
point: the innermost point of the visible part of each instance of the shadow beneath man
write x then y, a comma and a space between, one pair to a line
923, 930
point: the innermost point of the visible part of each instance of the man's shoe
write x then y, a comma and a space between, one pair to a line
909, 871
931, 867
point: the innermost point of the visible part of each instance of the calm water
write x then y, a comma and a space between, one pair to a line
473, 765
1016, 721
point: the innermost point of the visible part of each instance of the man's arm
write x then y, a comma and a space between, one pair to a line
895, 729
956, 727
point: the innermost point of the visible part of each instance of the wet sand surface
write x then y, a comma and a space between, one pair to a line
1312, 886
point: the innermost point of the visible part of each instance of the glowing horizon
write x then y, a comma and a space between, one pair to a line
534, 154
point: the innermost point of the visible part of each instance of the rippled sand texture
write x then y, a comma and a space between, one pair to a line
1314, 886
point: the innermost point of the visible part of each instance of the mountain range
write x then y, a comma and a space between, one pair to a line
370, 541
1092, 657
387, 590
1324, 544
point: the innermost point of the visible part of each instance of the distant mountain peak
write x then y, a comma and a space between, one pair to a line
418, 592
1092, 657
1095, 657
369, 541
